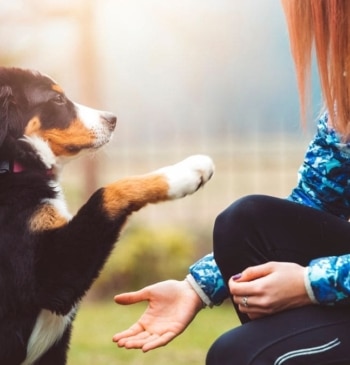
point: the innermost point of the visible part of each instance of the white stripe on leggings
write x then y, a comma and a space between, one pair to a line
307, 351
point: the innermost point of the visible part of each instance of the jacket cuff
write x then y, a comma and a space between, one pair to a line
308, 286
208, 278
205, 299
327, 277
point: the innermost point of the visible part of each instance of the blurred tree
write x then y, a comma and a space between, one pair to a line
88, 66
145, 256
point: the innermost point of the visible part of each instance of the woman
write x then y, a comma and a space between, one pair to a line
285, 263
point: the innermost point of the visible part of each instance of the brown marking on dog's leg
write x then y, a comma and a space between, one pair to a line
45, 218
131, 194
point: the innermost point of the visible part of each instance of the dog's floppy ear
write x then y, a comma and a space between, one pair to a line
6, 103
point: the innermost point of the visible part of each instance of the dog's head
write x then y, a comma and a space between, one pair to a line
40, 127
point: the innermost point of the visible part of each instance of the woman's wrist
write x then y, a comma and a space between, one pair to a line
201, 298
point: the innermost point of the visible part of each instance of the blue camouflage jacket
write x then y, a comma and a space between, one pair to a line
323, 183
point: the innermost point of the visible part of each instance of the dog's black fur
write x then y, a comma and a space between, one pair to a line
48, 259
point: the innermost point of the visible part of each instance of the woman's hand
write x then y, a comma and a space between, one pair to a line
172, 305
269, 288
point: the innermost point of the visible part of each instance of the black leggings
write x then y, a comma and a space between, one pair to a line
257, 229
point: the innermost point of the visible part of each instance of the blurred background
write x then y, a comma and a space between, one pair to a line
183, 77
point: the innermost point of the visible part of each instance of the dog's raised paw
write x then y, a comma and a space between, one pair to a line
187, 176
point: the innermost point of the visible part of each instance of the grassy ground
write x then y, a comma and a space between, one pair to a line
96, 324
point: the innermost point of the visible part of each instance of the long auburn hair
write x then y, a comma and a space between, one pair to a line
322, 27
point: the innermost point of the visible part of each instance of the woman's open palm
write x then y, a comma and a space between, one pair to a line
172, 305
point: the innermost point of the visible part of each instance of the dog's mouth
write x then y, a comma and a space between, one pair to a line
70, 142
93, 126
102, 133
99, 140
90, 130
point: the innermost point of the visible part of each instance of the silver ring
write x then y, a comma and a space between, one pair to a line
245, 301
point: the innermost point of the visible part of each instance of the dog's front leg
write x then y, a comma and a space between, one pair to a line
172, 182
71, 255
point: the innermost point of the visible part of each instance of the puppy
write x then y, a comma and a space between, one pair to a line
48, 258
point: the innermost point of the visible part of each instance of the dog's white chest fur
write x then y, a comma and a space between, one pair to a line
48, 329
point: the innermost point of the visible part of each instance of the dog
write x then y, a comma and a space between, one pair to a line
49, 258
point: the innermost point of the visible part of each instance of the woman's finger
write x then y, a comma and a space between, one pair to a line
159, 342
131, 297
132, 331
243, 301
136, 341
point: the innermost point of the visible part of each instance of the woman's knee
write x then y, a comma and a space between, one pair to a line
242, 345
228, 349
237, 219
240, 233
220, 352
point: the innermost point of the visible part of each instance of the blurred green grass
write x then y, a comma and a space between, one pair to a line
96, 323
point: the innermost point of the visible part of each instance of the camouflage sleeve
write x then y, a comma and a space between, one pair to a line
324, 173
330, 280
206, 279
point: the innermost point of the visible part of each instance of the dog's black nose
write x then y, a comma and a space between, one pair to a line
111, 120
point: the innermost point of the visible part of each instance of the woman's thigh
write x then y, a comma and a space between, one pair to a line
312, 335
257, 229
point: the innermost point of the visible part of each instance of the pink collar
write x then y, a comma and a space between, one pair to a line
16, 167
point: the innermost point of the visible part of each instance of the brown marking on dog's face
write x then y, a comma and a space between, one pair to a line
32, 127
69, 141
133, 193
63, 142
46, 218
57, 88
87, 129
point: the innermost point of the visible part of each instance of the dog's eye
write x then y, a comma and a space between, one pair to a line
59, 99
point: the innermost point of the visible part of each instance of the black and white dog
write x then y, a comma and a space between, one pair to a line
48, 258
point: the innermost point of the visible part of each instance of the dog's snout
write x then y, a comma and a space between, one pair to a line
110, 119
